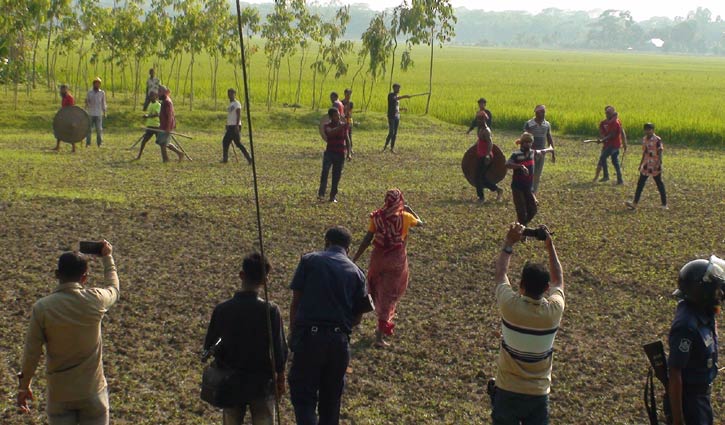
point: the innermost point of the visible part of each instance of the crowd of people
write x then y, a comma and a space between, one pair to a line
330, 293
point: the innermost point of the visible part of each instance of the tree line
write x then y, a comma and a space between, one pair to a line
120, 38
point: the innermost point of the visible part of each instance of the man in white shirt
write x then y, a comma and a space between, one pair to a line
541, 129
152, 86
96, 108
234, 128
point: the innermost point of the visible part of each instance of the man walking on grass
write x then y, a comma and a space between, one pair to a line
167, 124
540, 128
96, 107
234, 128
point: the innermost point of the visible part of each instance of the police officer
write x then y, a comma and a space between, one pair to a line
327, 302
693, 341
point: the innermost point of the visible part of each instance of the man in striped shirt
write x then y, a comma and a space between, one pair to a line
530, 318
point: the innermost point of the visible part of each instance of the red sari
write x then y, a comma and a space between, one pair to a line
388, 271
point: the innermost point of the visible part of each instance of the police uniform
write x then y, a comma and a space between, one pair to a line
693, 349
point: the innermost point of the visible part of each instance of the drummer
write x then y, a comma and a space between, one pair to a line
153, 110
66, 100
484, 152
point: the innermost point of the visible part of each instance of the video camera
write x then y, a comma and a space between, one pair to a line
540, 233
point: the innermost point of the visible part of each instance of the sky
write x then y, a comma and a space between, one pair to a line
641, 9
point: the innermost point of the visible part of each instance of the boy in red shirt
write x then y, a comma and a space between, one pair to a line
613, 136
338, 146
66, 100
522, 162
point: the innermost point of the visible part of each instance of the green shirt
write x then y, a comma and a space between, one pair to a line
153, 109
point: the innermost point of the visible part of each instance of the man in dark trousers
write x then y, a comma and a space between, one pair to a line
241, 323
393, 116
693, 341
234, 128
338, 146
327, 288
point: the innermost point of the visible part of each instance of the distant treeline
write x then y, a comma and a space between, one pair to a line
697, 33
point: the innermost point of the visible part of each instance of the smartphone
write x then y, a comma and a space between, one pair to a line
91, 247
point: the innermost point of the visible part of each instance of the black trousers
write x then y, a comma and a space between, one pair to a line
481, 181
317, 375
336, 161
232, 135
393, 124
660, 188
525, 204
696, 407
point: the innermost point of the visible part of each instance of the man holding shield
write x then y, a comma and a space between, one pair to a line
66, 100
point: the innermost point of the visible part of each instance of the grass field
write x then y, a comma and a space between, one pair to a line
180, 231
678, 93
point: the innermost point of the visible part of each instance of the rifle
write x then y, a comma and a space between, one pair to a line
655, 352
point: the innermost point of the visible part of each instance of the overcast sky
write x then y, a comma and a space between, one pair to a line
641, 9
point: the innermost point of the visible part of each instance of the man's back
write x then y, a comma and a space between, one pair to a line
241, 322
68, 323
331, 284
529, 327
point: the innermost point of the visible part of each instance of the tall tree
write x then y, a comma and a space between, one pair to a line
377, 44
428, 22
334, 49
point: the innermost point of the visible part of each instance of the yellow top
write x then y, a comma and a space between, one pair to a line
409, 221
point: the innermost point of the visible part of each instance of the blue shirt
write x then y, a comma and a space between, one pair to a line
693, 345
331, 286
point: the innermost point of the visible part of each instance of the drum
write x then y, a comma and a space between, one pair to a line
496, 171
71, 124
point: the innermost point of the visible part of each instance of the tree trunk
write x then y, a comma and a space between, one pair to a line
136, 85
392, 63
35, 53
298, 94
47, 55
191, 92
178, 74
113, 91
430, 75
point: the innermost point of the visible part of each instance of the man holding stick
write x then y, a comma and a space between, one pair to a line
540, 128
234, 128
167, 124
393, 116
153, 110
613, 136
96, 107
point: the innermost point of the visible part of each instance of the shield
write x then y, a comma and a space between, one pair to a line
71, 124
496, 171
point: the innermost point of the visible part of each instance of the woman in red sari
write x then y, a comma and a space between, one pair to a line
388, 271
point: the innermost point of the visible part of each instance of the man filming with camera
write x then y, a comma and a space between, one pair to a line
530, 318
68, 323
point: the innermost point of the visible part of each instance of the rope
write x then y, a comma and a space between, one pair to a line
256, 203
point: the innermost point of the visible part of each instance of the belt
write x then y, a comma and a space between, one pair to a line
328, 329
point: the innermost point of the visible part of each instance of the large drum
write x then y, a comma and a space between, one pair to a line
71, 124
496, 171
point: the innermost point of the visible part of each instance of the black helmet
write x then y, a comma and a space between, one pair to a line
699, 281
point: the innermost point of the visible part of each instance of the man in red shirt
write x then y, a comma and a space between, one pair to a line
167, 122
613, 136
334, 156
66, 100
484, 152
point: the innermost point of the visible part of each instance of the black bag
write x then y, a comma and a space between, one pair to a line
228, 388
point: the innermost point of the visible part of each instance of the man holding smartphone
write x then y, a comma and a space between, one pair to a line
68, 323
530, 318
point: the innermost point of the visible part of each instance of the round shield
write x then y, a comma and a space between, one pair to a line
496, 171
71, 124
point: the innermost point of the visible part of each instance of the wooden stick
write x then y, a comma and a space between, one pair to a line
419, 94
592, 141
158, 130
181, 147
137, 142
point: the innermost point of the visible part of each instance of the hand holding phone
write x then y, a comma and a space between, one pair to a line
99, 248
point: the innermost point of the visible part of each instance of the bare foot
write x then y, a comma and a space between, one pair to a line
181, 156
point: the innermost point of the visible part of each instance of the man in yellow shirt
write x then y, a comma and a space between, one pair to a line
68, 323
530, 318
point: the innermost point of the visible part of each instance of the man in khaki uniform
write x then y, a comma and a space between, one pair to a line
68, 323
530, 318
